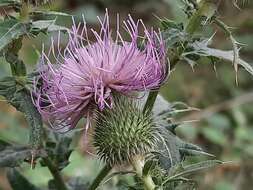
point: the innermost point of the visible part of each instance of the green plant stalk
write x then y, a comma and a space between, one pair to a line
102, 174
206, 8
138, 164
58, 180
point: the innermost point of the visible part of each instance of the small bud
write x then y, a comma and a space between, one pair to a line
123, 132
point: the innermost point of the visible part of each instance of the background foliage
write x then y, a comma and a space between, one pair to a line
224, 126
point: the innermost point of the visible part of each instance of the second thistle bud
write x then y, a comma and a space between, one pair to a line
124, 132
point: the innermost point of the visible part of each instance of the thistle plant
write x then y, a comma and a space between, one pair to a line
113, 82
89, 72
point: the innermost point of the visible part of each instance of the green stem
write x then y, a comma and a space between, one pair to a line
147, 180
58, 180
102, 174
150, 101
206, 8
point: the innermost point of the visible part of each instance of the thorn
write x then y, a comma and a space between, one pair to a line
215, 70
33, 162
236, 79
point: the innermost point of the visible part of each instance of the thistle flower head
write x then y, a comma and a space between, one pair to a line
124, 132
87, 72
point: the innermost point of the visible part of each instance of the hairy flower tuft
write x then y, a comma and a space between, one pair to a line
87, 72
124, 132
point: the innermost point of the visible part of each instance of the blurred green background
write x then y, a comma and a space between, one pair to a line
223, 127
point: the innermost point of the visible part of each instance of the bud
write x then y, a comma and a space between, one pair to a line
124, 132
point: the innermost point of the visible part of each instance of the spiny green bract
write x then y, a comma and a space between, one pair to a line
123, 132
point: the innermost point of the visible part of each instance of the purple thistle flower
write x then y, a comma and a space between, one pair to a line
85, 75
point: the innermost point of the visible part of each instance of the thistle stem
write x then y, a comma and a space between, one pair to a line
102, 174
147, 180
58, 180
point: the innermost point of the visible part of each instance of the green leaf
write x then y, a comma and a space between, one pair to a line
168, 150
172, 150
161, 106
188, 149
50, 13
46, 25
18, 67
13, 155
168, 24
18, 181
175, 37
194, 168
200, 166
11, 29
9, 3
189, 152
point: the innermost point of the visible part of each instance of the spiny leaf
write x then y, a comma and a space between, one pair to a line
161, 106
201, 48
172, 150
191, 152
49, 13
18, 67
11, 29
46, 25
189, 149
9, 3
168, 150
38, 2
18, 181
195, 167
200, 166
235, 46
